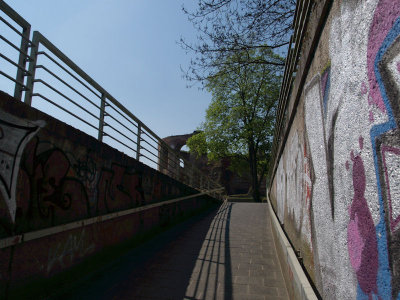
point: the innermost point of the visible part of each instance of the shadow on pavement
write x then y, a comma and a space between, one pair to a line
189, 261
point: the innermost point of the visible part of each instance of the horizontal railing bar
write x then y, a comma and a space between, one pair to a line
66, 97
50, 46
122, 115
13, 46
15, 29
13, 79
14, 64
300, 22
151, 137
14, 15
302, 30
167, 165
69, 73
149, 144
174, 172
116, 120
169, 149
108, 125
128, 113
169, 170
163, 160
60, 107
285, 87
166, 161
118, 141
68, 85
173, 161
149, 151
173, 151
88, 79
141, 154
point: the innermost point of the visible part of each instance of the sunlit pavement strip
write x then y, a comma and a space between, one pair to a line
227, 254
238, 258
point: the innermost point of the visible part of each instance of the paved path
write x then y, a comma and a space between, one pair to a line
225, 254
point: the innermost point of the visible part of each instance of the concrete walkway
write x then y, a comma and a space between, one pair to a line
225, 254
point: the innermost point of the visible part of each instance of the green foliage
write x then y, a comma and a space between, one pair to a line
197, 144
240, 119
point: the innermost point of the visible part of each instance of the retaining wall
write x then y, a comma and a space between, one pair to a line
65, 197
336, 186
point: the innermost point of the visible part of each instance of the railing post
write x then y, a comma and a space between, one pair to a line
23, 58
32, 68
102, 114
138, 141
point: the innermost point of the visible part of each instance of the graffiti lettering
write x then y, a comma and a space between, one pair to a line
15, 134
76, 246
119, 189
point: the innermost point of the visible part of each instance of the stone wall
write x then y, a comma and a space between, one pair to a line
336, 187
64, 196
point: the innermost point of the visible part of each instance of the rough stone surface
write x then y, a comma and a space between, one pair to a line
336, 188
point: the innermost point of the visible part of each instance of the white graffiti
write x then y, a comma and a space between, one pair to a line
281, 191
294, 186
15, 134
64, 253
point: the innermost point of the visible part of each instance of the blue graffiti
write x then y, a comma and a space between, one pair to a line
384, 277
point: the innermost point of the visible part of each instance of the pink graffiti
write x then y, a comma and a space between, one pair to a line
364, 88
361, 236
371, 117
385, 14
396, 151
355, 243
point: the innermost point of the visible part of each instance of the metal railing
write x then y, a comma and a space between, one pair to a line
60, 88
21, 51
303, 8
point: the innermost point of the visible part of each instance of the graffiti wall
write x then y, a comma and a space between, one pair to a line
53, 178
337, 184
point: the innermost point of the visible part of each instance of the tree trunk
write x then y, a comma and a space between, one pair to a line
253, 173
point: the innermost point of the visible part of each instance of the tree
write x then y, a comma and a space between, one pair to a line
226, 27
239, 120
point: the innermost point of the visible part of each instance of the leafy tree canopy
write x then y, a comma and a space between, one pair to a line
239, 120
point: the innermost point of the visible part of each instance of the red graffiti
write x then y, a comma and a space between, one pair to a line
52, 190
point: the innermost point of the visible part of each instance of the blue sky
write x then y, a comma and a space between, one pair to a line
130, 48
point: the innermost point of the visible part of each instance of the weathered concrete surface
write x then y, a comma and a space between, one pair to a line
298, 285
227, 254
336, 188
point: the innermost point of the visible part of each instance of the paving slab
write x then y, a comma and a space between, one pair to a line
228, 253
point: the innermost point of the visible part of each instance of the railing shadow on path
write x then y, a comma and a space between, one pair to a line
189, 261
